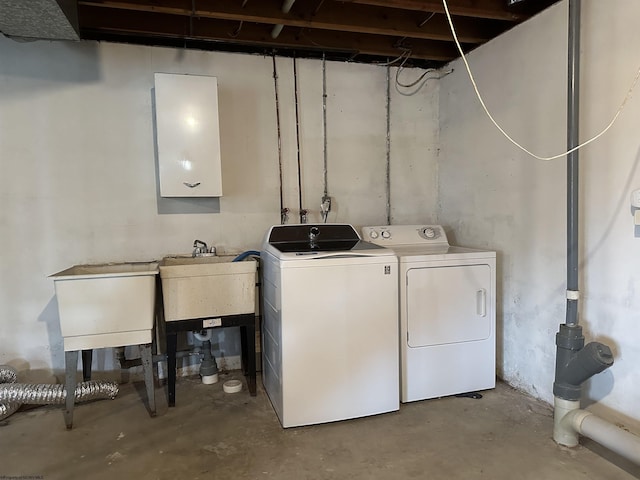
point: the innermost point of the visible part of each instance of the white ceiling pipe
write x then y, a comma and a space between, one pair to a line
286, 7
276, 30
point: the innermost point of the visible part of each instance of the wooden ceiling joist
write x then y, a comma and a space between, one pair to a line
333, 16
141, 23
495, 9
376, 28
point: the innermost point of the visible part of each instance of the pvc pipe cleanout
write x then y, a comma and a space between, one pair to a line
620, 441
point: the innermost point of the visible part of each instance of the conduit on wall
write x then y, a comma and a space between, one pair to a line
303, 212
284, 212
388, 146
324, 125
325, 205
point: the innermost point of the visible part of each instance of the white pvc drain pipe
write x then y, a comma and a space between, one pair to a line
569, 423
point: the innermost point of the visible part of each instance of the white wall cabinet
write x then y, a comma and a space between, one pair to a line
188, 135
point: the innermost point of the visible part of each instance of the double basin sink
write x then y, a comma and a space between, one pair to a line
113, 304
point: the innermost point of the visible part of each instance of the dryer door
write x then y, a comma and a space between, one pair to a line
448, 304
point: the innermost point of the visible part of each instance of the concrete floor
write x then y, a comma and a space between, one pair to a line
210, 434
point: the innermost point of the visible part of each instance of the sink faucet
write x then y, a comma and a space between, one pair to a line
200, 248
313, 234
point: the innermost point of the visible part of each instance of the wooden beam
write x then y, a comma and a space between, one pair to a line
162, 25
346, 18
495, 9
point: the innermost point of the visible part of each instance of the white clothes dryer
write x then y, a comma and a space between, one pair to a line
447, 312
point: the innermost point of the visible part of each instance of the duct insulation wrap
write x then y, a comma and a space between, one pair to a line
12, 394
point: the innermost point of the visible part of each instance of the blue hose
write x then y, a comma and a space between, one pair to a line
248, 253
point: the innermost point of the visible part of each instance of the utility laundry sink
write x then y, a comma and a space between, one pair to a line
107, 305
204, 287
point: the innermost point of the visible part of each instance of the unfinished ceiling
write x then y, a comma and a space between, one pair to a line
357, 30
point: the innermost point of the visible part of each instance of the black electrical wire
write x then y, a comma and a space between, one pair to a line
295, 87
275, 86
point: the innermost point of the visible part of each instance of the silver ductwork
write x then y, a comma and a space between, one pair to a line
12, 394
7, 375
39, 19
45, 394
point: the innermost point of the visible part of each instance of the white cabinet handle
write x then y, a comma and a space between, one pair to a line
191, 185
481, 302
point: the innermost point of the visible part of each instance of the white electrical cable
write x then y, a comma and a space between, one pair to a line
475, 87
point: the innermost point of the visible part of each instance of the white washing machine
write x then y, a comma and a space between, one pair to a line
330, 326
447, 312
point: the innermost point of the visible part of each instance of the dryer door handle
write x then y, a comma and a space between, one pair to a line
481, 302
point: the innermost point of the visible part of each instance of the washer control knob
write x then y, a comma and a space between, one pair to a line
386, 234
429, 233
373, 234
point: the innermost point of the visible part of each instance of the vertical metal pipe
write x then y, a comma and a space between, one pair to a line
388, 172
296, 93
324, 127
573, 113
275, 87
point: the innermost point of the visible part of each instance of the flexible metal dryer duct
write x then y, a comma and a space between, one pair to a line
12, 394
7, 375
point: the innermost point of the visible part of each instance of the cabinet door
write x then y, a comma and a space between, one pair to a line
448, 305
188, 137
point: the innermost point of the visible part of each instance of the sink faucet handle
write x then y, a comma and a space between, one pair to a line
200, 243
199, 247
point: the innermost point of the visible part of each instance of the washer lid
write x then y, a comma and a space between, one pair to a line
323, 241
324, 237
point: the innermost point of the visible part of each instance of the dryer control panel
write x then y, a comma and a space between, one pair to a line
389, 235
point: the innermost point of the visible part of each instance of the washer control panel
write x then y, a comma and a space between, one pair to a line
389, 235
